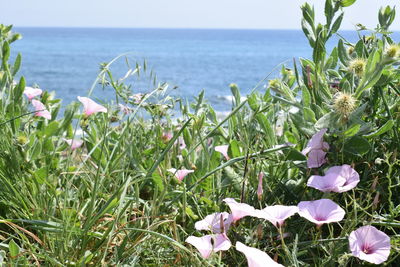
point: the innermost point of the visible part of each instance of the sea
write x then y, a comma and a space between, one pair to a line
67, 60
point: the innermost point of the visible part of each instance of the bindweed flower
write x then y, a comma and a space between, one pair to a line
276, 214
30, 92
336, 179
209, 243
180, 174
315, 150
74, 143
256, 257
223, 150
260, 185
41, 110
321, 211
166, 136
213, 222
90, 107
181, 143
239, 210
369, 244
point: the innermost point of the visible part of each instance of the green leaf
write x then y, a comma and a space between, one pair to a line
327, 121
384, 128
14, 249
267, 128
352, 130
357, 145
17, 64
336, 24
158, 181
52, 128
306, 97
346, 3
234, 149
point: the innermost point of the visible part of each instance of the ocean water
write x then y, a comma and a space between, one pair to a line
67, 60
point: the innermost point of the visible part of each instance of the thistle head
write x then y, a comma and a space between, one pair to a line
357, 66
344, 104
392, 51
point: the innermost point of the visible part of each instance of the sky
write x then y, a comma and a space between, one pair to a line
234, 14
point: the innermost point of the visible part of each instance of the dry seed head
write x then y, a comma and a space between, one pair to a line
393, 50
344, 104
358, 66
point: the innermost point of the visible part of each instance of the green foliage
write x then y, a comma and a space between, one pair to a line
113, 201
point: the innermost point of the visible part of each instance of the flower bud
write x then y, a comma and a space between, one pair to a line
260, 185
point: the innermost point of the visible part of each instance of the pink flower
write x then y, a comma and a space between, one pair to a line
213, 222
256, 257
209, 243
180, 174
370, 244
350, 176
239, 210
321, 211
336, 179
260, 185
276, 214
316, 142
41, 110
74, 143
223, 150
181, 143
166, 136
32, 92
90, 107
316, 158
315, 149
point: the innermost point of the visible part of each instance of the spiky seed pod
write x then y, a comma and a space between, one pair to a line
357, 66
344, 104
392, 51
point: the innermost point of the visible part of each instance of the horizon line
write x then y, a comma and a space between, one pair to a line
166, 28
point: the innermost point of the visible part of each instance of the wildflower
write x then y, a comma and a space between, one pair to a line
209, 243
181, 143
32, 92
90, 107
180, 174
223, 150
218, 222
41, 110
239, 210
357, 66
321, 211
74, 143
166, 136
315, 149
350, 50
256, 257
260, 185
369, 244
344, 104
392, 50
276, 214
336, 179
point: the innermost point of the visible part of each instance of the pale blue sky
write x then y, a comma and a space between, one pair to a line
237, 14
